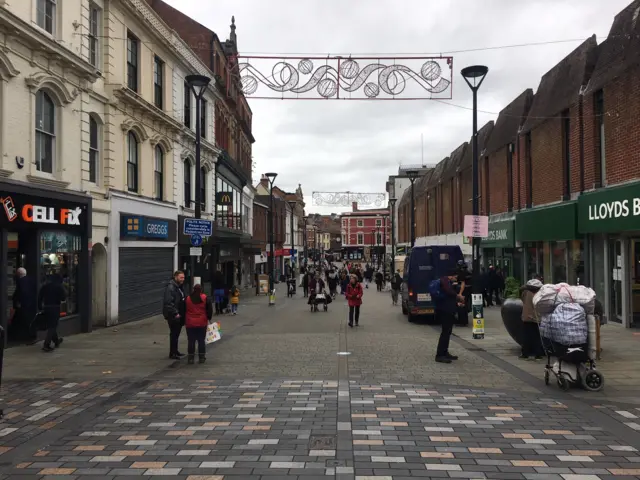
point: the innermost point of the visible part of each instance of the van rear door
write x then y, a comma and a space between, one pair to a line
421, 273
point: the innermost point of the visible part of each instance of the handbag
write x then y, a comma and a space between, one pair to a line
214, 333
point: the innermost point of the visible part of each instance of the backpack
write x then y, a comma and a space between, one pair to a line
435, 289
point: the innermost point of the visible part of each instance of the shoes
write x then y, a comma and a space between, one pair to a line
190, 360
202, 359
47, 348
523, 357
443, 359
539, 357
451, 357
180, 355
176, 356
357, 324
350, 324
59, 342
235, 313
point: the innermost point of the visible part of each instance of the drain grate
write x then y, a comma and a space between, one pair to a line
322, 442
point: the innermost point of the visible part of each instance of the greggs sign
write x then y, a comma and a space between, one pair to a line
32, 212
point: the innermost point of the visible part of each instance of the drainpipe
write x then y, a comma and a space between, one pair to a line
519, 160
581, 134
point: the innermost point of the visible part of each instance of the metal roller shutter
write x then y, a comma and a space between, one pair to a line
143, 275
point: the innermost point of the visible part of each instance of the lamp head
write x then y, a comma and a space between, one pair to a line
412, 174
198, 83
474, 75
392, 202
271, 176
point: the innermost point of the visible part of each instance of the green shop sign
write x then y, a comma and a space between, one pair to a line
614, 209
501, 235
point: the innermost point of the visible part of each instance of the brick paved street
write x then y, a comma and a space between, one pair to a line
276, 400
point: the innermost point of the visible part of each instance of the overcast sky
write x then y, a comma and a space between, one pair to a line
356, 145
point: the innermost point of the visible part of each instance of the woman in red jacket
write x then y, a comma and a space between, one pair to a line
354, 297
199, 311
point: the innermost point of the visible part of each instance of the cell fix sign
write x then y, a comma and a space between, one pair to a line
23, 210
614, 209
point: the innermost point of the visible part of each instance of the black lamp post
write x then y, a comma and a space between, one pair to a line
306, 253
412, 175
373, 243
392, 203
474, 76
384, 245
315, 245
292, 205
198, 85
272, 281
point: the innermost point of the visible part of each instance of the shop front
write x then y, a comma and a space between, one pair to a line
354, 254
610, 220
47, 233
499, 249
142, 256
551, 245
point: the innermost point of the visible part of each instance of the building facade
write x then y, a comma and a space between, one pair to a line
366, 235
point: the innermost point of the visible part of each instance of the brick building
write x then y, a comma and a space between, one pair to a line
366, 234
559, 176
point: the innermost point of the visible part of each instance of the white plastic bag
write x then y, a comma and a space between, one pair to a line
213, 333
550, 296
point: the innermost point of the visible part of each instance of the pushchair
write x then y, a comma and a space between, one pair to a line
317, 299
567, 332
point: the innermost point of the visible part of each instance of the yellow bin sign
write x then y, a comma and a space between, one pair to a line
477, 308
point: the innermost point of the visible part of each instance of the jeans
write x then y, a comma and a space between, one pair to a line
234, 308
175, 327
354, 312
447, 320
196, 334
531, 343
52, 315
394, 295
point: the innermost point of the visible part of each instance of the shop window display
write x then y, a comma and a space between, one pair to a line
59, 256
576, 262
558, 261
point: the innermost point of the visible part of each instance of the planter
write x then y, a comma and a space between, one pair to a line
512, 318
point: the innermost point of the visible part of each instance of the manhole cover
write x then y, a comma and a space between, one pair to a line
322, 442
335, 463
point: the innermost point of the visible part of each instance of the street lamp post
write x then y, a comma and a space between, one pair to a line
315, 246
306, 242
272, 296
198, 85
474, 76
292, 205
373, 244
384, 245
412, 175
392, 202
378, 245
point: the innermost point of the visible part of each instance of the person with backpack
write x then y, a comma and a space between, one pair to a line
446, 302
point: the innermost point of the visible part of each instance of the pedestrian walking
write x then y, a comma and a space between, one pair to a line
305, 283
25, 307
173, 310
354, 297
198, 313
446, 308
51, 295
379, 278
235, 299
531, 342
396, 284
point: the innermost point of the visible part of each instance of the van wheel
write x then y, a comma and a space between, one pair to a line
404, 309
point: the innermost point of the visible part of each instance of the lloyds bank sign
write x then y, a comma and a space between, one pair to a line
501, 235
613, 209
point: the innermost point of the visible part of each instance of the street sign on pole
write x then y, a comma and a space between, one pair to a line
198, 226
196, 240
476, 226
195, 251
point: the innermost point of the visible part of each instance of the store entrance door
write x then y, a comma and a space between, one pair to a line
634, 274
615, 260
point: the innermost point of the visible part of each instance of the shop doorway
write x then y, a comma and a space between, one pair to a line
635, 282
99, 282
615, 294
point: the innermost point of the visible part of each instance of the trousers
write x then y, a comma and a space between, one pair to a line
196, 335
175, 327
354, 314
447, 320
531, 343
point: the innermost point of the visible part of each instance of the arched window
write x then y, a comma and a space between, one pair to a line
203, 189
158, 173
45, 132
94, 150
187, 183
132, 162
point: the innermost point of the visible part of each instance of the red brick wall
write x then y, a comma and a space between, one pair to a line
260, 223
546, 156
467, 190
433, 213
447, 208
591, 143
498, 181
574, 145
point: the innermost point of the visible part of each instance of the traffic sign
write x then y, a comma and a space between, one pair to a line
196, 240
198, 226
195, 251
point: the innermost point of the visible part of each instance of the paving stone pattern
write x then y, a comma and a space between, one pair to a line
206, 429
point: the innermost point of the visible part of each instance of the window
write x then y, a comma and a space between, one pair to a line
203, 118
378, 222
158, 72
510, 176
602, 171
45, 132
203, 189
360, 239
187, 105
94, 35
360, 223
132, 62
186, 172
94, 151
46, 15
132, 162
566, 153
158, 174
61, 254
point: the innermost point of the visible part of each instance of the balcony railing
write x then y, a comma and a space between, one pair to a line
234, 222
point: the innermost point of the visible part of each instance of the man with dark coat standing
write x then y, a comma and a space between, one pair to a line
25, 305
446, 309
51, 295
173, 310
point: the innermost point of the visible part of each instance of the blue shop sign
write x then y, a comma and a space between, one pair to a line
141, 227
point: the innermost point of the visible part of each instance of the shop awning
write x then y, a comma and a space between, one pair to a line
551, 223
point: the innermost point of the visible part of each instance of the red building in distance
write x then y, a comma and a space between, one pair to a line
366, 234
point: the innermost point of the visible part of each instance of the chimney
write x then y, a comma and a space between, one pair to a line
354, 206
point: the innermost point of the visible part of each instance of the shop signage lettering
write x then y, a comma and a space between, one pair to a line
137, 226
498, 235
37, 214
615, 209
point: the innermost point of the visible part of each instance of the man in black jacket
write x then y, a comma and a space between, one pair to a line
51, 295
173, 309
446, 309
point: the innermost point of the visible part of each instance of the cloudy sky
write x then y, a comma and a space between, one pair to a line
356, 145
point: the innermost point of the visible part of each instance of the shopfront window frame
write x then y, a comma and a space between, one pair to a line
72, 287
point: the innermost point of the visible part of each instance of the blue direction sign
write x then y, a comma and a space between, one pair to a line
198, 226
196, 240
